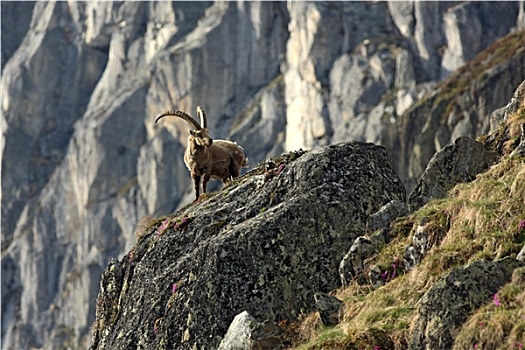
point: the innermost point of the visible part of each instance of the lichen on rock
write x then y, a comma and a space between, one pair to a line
233, 256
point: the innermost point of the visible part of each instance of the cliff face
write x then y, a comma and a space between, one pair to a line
82, 160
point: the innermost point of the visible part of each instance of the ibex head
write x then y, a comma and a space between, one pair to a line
200, 134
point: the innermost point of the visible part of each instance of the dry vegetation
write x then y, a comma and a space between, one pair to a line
479, 220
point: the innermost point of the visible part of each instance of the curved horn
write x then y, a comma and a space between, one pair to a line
179, 114
202, 115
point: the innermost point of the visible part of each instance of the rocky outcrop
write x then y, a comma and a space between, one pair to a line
459, 106
458, 162
329, 307
353, 265
446, 306
386, 215
264, 245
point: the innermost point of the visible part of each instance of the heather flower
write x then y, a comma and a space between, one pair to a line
173, 288
384, 275
521, 225
163, 226
476, 346
376, 347
496, 300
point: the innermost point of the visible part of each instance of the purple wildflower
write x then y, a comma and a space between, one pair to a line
384, 275
155, 327
185, 220
281, 167
476, 346
521, 225
163, 226
173, 288
376, 347
496, 300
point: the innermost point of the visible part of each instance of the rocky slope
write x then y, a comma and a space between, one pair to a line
265, 244
82, 161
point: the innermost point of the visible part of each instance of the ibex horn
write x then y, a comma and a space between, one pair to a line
179, 114
202, 115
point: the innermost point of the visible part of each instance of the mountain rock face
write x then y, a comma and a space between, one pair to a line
265, 245
82, 161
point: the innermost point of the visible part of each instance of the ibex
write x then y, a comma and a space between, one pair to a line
204, 157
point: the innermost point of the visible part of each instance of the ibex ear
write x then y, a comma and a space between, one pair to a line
192, 132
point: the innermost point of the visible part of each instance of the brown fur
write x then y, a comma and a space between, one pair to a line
207, 158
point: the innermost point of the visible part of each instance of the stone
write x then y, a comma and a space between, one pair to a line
352, 266
375, 277
386, 215
519, 151
329, 308
448, 303
265, 244
496, 118
238, 335
458, 162
422, 242
245, 333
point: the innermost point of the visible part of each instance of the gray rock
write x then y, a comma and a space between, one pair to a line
245, 333
238, 335
422, 242
386, 215
516, 102
519, 151
463, 31
264, 245
496, 118
402, 13
375, 277
447, 304
352, 265
329, 308
448, 112
459, 162
405, 75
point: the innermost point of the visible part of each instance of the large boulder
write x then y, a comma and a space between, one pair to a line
458, 162
264, 245
448, 303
